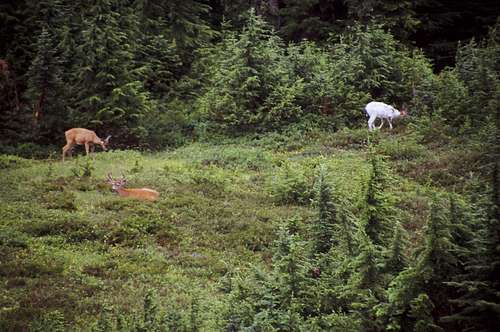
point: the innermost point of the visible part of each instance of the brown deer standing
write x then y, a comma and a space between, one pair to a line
144, 194
82, 136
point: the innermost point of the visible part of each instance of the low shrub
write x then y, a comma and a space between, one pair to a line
402, 149
49, 321
65, 200
12, 238
210, 180
236, 157
291, 185
29, 150
353, 138
11, 162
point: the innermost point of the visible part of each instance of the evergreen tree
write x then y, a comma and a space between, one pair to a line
398, 16
325, 226
290, 265
421, 311
479, 288
378, 204
436, 264
366, 285
12, 120
397, 259
111, 95
46, 90
248, 87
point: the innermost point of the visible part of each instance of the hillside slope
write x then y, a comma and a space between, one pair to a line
72, 250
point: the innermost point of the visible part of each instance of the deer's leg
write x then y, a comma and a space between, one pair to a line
67, 147
87, 147
381, 123
371, 120
390, 124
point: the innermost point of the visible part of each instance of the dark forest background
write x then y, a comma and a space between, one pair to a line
143, 70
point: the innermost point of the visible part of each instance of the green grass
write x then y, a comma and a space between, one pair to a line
68, 243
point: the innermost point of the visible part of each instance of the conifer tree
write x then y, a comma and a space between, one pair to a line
479, 289
421, 311
436, 264
111, 95
366, 285
397, 260
248, 85
291, 265
12, 120
46, 89
325, 226
378, 204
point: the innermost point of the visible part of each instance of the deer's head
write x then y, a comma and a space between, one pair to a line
104, 143
404, 111
116, 184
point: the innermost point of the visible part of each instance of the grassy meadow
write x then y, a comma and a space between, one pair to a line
72, 248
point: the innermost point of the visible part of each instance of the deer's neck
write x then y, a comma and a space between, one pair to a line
123, 192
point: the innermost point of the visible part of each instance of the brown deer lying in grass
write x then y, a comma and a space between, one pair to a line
82, 136
144, 194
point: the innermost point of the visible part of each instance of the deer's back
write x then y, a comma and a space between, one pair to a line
379, 110
80, 135
142, 194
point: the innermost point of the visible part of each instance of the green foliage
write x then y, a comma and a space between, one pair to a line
46, 91
352, 138
329, 78
9, 162
248, 87
291, 185
325, 227
111, 94
82, 170
156, 74
421, 311
13, 239
378, 203
138, 167
28, 150
402, 148
51, 321
397, 259
380, 70
60, 200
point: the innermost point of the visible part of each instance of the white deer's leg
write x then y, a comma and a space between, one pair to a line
390, 124
371, 120
381, 123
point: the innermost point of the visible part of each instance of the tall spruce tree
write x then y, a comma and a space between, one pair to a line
111, 94
479, 289
378, 201
248, 87
325, 227
435, 265
397, 259
46, 91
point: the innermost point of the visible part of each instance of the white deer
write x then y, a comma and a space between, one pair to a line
376, 109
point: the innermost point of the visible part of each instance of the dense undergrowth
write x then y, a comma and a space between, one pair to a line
76, 256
